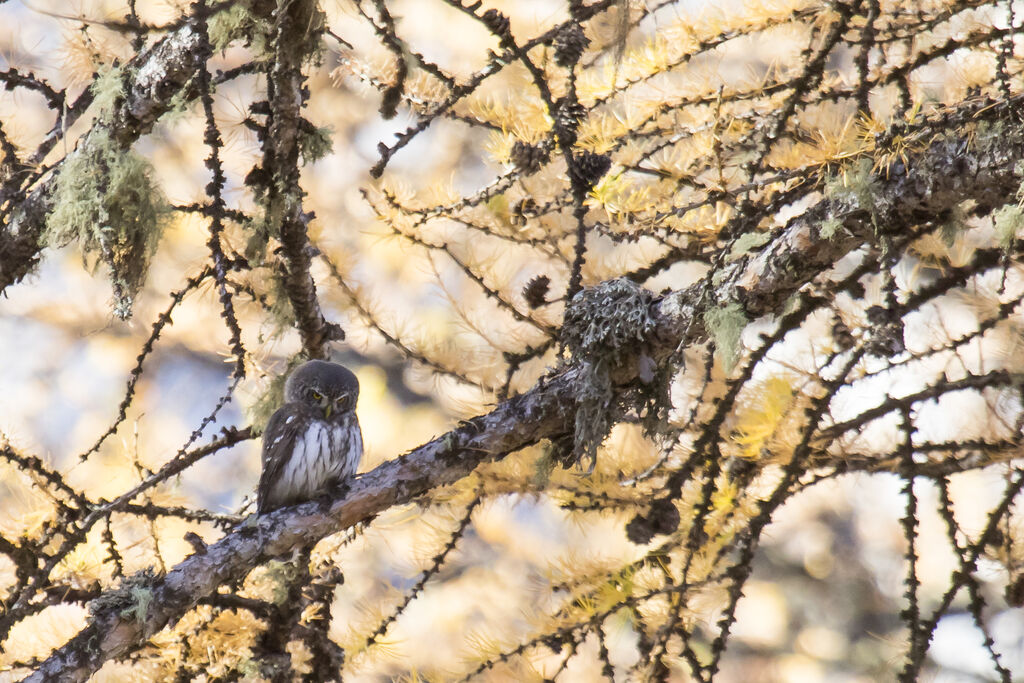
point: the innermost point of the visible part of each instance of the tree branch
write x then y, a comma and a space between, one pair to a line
298, 29
951, 171
152, 80
929, 186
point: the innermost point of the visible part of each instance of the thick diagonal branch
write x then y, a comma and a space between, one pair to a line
926, 188
949, 172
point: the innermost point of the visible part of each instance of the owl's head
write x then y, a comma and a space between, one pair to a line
331, 387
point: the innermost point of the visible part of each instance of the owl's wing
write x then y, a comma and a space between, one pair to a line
279, 437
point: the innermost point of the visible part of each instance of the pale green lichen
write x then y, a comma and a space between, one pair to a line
282, 574
315, 145
132, 599
281, 312
603, 325
858, 185
747, 242
239, 23
954, 226
178, 110
142, 598
249, 668
607, 318
725, 325
107, 88
1007, 221
498, 205
259, 231
543, 466
315, 29
829, 227
105, 199
791, 303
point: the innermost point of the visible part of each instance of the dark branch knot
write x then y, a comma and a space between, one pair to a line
536, 291
529, 158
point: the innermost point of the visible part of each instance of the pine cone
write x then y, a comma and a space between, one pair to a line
496, 22
524, 210
592, 167
568, 114
528, 158
536, 290
570, 44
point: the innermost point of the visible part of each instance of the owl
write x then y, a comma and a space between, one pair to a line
313, 441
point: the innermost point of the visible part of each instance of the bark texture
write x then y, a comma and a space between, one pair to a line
944, 175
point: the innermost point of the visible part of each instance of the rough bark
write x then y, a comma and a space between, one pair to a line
152, 80
296, 36
951, 171
934, 182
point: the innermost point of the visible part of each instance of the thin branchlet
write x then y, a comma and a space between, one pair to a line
801, 222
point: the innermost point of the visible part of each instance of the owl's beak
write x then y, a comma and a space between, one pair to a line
326, 405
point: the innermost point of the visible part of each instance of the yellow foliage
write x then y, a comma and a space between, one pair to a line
426, 270
759, 417
38, 634
224, 643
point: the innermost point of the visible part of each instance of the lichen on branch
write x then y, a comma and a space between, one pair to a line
105, 199
604, 325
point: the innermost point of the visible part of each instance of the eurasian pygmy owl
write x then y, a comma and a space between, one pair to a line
313, 441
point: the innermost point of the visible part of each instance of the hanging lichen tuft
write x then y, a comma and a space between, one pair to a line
602, 325
105, 199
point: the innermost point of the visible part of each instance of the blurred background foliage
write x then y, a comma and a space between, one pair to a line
447, 268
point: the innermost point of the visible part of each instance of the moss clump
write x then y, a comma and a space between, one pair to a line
829, 227
603, 325
606, 319
106, 200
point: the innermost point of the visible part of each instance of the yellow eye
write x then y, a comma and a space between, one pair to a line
317, 395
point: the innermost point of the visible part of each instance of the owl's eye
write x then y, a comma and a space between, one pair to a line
317, 395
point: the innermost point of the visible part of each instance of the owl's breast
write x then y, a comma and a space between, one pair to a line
325, 453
